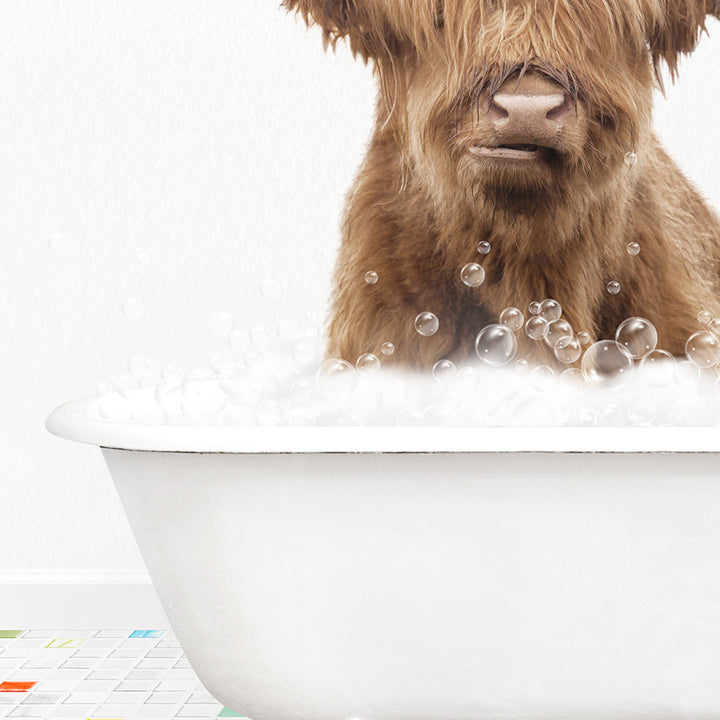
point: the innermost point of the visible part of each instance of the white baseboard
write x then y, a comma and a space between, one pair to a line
79, 600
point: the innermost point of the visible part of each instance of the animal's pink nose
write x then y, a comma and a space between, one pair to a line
532, 111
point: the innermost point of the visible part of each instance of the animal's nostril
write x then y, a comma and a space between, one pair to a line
496, 111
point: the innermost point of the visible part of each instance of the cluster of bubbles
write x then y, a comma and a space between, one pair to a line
278, 376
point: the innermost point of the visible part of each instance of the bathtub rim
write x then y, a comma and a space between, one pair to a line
77, 420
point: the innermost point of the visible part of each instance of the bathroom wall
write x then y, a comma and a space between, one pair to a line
159, 162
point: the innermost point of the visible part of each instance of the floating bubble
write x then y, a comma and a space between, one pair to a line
367, 364
704, 317
371, 277
568, 349
534, 307
633, 248
537, 327
703, 349
387, 348
484, 247
472, 274
222, 323
522, 365
512, 318
613, 287
444, 371
637, 336
558, 330
606, 366
426, 323
132, 308
584, 337
496, 345
631, 159
572, 381
641, 411
550, 310
336, 378
658, 368
542, 378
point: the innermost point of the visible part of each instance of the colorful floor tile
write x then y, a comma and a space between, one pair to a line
100, 675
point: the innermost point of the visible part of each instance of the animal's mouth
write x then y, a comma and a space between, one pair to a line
507, 152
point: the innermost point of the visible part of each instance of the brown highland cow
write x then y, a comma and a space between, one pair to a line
525, 124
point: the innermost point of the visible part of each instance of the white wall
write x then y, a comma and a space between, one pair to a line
218, 140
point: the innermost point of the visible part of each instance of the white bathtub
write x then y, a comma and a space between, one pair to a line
431, 573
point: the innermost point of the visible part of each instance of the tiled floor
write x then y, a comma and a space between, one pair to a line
100, 675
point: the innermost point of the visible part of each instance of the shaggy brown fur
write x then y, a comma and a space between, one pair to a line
558, 228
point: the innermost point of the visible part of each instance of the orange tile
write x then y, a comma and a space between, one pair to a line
16, 686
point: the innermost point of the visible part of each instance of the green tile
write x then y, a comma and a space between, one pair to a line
227, 712
11, 633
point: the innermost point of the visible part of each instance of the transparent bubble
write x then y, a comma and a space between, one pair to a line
631, 159
550, 310
368, 364
606, 366
613, 287
658, 368
426, 323
222, 323
572, 382
641, 411
496, 345
444, 371
512, 318
484, 247
304, 352
584, 337
637, 336
522, 365
542, 378
371, 277
714, 327
132, 308
558, 330
534, 307
537, 327
568, 349
704, 317
472, 274
703, 349
336, 378
387, 348
633, 248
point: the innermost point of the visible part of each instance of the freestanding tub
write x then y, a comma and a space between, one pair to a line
431, 573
